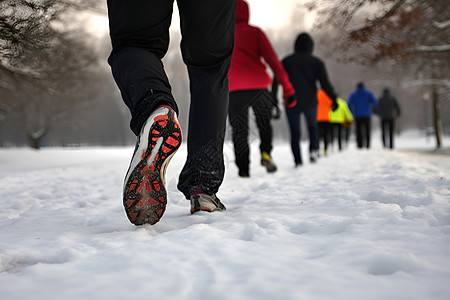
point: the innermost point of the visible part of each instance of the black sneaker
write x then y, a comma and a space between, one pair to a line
244, 174
204, 202
144, 192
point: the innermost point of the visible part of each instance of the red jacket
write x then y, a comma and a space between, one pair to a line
248, 70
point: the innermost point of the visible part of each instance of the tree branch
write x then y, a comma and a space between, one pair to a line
442, 25
375, 22
352, 13
432, 49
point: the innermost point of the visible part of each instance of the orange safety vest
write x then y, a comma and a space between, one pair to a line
323, 106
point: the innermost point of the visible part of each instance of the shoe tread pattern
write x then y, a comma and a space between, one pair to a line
145, 195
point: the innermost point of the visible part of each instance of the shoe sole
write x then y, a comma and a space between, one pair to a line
145, 195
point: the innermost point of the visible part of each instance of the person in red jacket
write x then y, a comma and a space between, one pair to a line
248, 82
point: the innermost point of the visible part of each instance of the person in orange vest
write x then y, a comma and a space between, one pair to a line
324, 103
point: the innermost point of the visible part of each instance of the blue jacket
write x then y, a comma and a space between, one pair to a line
361, 102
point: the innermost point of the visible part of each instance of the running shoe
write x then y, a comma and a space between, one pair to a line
201, 201
144, 191
267, 162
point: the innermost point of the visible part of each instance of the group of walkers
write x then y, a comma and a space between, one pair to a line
363, 103
226, 59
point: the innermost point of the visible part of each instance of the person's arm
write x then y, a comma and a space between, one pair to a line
326, 85
373, 100
272, 60
350, 104
348, 114
377, 110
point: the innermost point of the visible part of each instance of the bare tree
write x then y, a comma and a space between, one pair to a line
43, 64
411, 34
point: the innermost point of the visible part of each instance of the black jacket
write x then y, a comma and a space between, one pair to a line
304, 71
388, 107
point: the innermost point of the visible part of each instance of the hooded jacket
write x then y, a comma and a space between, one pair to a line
342, 114
361, 102
304, 71
248, 70
388, 108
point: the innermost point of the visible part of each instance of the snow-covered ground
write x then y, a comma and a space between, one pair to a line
360, 224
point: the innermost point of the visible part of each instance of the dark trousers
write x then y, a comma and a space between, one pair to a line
294, 120
347, 133
336, 131
238, 113
139, 32
325, 129
387, 129
363, 132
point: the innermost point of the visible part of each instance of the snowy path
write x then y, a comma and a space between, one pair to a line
358, 225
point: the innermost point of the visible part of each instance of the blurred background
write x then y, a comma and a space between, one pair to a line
56, 87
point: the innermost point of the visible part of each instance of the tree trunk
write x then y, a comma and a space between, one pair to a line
35, 143
35, 138
437, 117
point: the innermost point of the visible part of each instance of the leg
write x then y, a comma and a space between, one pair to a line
139, 32
359, 125
363, 133
332, 134
321, 127
347, 132
383, 132
238, 116
140, 36
262, 105
368, 132
391, 134
207, 29
313, 128
326, 136
262, 108
339, 135
293, 117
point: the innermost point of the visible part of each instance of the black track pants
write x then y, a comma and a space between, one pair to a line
139, 32
240, 102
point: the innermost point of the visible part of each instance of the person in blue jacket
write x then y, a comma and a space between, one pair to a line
361, 103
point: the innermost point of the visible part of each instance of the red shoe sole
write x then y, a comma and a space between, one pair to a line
145, 195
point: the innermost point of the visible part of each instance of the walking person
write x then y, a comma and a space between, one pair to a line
248, 88
324, 119
305, 70
389, 110
361, 103
139, 32
341, 119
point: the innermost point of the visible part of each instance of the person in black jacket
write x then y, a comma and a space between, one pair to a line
389, 110
304, 71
